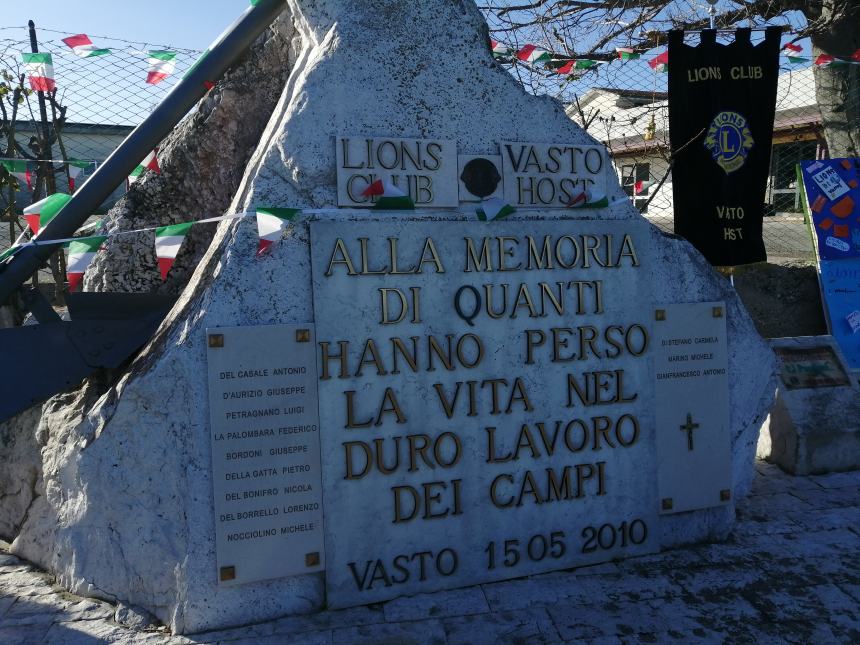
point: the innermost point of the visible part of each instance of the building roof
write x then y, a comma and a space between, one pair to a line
622, 115
83, 128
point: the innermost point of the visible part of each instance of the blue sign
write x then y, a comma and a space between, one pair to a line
840, 286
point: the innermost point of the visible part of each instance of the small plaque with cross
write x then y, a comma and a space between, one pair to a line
693, 447
688, 428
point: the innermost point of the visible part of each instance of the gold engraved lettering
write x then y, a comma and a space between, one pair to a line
350, 412
326, 357
340, 255
506, 252
482, 263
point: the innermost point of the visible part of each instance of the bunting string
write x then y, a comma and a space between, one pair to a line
271, 224
533, 56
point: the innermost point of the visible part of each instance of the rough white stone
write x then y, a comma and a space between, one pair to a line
21, 459
127, 510
813, 431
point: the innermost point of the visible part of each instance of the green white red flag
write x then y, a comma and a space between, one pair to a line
271, 224
797, 60
168, 241
149, 163
388, 196
532, 54
494, 208
582, 63
75, 169
500, 50
82, 251
626, 53
18, 168
39, 214
83, 46
793, 48
39, 68
642, 185
588, 198
660, 63
826, 60
161, 65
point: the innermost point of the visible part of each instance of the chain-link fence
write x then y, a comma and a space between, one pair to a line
98, 101
624, 104
634, 125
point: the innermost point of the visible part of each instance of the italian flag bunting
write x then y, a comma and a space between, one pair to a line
500, 50
18, 168
168, 240
161, 65
81, 253
588, 198
43, 211
40, 69
792, 48
626, 53
569, 66
149, 163
531, 54
83, 46
641, 186
826, 60
271, 224
796, 60
388, 196
75, 169
660, 63
494, 208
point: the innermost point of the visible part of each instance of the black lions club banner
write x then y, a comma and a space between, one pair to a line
722, 100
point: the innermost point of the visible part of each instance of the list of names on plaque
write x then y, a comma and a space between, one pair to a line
692, 407
265, 452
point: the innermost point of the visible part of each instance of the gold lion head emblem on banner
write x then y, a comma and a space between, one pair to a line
729, 140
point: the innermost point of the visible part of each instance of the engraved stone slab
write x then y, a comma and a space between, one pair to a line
426, 169
692, 406
486, 401
265, 452
540, 175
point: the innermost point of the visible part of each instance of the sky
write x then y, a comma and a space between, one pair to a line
191, 24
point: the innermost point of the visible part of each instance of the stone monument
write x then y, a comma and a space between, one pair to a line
474, 400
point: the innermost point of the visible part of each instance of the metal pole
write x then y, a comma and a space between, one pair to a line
45, 154
145, 137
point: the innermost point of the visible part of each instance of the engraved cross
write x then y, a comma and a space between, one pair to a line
688, 428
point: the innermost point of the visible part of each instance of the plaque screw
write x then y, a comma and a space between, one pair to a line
667, 504
228, 573
718, 312
660, 314
216, 340
303, 335
725, 495
312, 559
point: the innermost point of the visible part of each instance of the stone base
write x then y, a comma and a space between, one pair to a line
813, 431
